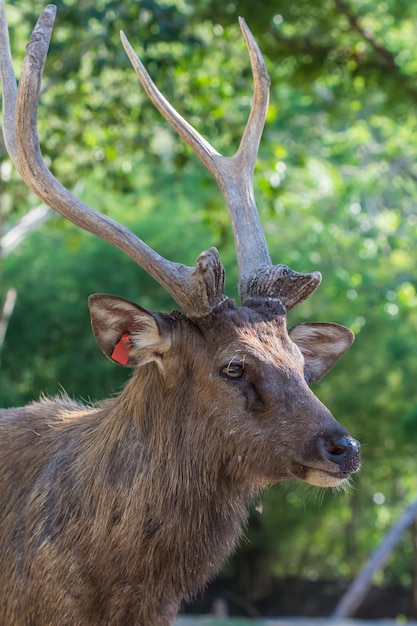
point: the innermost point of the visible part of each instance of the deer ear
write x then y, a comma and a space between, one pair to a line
128, 334
321, 345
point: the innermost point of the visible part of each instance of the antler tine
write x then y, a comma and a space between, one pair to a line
197, 290
9, 88
234, 175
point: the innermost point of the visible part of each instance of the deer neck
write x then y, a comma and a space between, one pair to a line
194, 511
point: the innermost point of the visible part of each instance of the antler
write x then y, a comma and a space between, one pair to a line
234, 175
197, 290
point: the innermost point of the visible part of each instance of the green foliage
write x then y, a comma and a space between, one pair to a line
49, 344
336, 188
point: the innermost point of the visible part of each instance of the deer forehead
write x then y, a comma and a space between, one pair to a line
253, 337
269, 343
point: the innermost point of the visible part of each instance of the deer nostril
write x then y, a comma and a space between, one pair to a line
336, 447
344, 450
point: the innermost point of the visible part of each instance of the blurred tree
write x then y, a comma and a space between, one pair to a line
336, 187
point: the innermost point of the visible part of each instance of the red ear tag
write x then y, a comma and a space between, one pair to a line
121, 352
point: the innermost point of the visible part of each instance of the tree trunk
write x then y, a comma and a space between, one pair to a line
354, 596
6, 314
414, 539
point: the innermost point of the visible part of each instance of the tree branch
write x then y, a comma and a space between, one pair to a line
386, 55
354, 596
355, 24
6, 313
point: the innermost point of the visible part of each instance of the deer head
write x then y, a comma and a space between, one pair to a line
138, 500
266, 367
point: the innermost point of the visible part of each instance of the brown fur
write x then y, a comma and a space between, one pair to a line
113, 514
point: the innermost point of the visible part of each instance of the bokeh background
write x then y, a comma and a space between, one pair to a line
336, 187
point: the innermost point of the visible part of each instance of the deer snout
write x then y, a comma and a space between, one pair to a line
332, 458
342, 450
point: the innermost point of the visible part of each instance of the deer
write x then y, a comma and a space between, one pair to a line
115, 512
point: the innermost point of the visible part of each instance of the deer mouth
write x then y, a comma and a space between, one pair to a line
330, 462
323, 478
318, 476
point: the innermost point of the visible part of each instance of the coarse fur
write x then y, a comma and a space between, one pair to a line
114, 513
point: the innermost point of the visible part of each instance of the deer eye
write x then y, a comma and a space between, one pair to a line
233, 370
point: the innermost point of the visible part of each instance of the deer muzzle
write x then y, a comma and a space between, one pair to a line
332, 458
